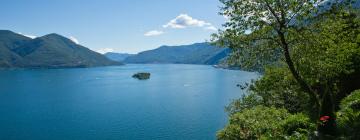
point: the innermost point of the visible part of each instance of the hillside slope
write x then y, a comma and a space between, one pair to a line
49, 51
119, 57
198, 53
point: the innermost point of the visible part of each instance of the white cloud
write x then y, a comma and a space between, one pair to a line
29, 36
184, 20
154, 33
211, 28
73, 39
105, 50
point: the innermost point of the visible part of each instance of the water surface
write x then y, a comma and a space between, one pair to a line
178, 102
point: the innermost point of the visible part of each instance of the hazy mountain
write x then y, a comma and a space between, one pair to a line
119, 57
199, 53
49, 51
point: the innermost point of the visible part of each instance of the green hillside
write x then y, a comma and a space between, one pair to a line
49, 51
198, 53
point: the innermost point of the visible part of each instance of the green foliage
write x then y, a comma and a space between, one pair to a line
259, 14
249, 53
297, 126
275, 88
266, 123
349, 116
331, 35
313, 52
254, 27
278, 88
246, 102
333, 38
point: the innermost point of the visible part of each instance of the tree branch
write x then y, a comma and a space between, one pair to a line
272, 12
293, 70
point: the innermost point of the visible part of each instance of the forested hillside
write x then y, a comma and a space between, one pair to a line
49, 51
198, 53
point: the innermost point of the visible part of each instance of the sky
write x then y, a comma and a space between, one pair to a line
126, 26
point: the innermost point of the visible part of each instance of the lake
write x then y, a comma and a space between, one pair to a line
182, 102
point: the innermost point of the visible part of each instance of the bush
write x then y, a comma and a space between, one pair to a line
266, 123
297, 126
245, 102
278, 88
349, 116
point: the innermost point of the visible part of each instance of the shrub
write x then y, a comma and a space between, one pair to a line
245, 102
349, 116
297, 126
278, 88
266, 123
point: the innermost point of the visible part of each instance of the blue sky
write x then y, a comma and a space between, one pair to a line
119, 25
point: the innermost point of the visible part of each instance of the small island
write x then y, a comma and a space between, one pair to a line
142, 75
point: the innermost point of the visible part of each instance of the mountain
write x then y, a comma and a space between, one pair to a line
119, 57
8, 42
198, 53
49, 51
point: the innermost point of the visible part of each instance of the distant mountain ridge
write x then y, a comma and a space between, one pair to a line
198, 53
49, 51
119, 57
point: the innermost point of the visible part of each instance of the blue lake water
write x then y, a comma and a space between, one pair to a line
178, 102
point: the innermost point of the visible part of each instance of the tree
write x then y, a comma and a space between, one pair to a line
261, 29
266, 123
349, 116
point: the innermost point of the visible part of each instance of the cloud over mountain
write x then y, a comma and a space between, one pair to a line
105, 50
29, 36
73, 39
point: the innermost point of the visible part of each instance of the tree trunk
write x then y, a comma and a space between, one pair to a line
327, 128
323, 106
294, 72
